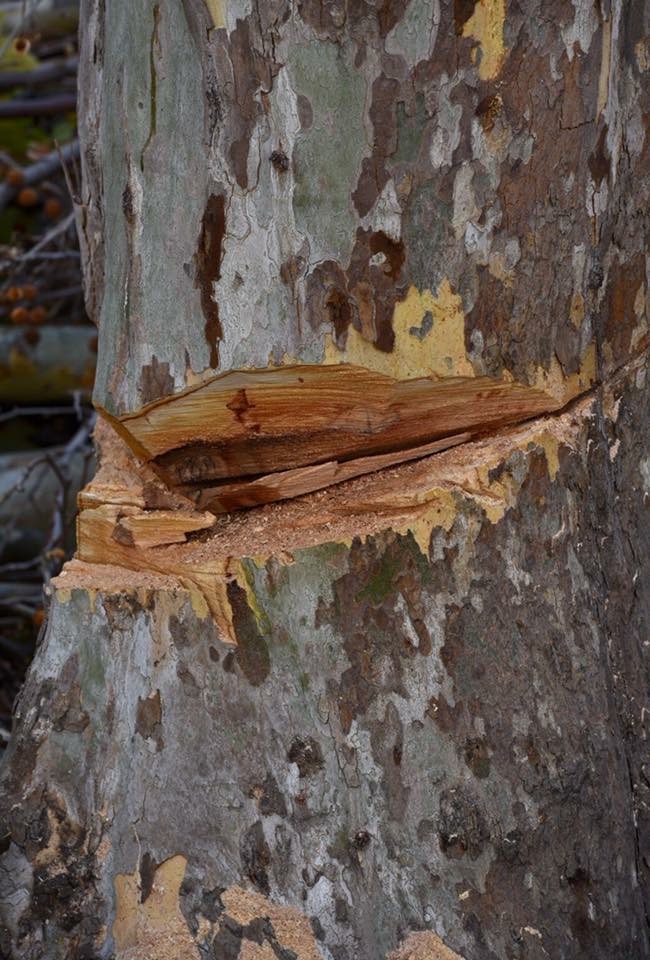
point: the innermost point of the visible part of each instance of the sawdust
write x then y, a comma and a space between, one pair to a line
359, 507
424, 945
339, 513
292, 928
77, 574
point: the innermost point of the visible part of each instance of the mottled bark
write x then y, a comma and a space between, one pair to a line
406, 715
364, 204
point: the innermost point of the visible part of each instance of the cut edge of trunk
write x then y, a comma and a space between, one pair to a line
135, 533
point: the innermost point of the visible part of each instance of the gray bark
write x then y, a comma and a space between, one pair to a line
407, 715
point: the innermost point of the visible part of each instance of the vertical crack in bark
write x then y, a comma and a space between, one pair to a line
154, 42
208, 270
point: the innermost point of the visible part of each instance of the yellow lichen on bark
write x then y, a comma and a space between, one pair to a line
217, 9
486, 25
418, 352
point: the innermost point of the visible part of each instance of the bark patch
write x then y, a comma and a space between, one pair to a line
463, 10
252, 652
625, 283
462, 828
365, 294
306, 754
156, 381
148, 721
256, 857
599, 165
208, 258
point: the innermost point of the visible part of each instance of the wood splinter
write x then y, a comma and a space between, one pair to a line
287, 484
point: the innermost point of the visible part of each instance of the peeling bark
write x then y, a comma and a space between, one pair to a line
411, 702
372, 188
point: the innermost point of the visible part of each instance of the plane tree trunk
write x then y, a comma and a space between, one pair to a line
403, 715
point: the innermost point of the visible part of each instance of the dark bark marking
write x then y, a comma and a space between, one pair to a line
306, 754
463, 10
155, 381
61, 886
291, 269
197, 901
326, 19
256, 857
488, 110
390, 13
231, 936
252, 653
425, 830
387, 743
67, 712
477, 757
227, 943
392, 250
178, 631
305, 112
251, 70
341, 911
127, 204
148, 721
620, 320
208, 259
562, 107
154, 44
375, 641
445, 716
148, 867
581, 924
599, 161
383, 115
200, 24
462, 828
269, 797
365, 294
280, 161
188, 679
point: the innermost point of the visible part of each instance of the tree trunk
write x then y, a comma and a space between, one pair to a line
405, 715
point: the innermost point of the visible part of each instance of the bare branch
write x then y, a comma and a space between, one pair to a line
38, 106
41, 170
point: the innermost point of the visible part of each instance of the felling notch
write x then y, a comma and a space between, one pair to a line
255, 436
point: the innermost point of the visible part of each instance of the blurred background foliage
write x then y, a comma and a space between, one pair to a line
47, 344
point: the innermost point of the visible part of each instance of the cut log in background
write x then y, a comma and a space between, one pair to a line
403, 715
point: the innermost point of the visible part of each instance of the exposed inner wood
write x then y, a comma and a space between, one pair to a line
129, 520
285, 484
258, 422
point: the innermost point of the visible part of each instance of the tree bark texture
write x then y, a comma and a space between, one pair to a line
364, 204
404, 716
